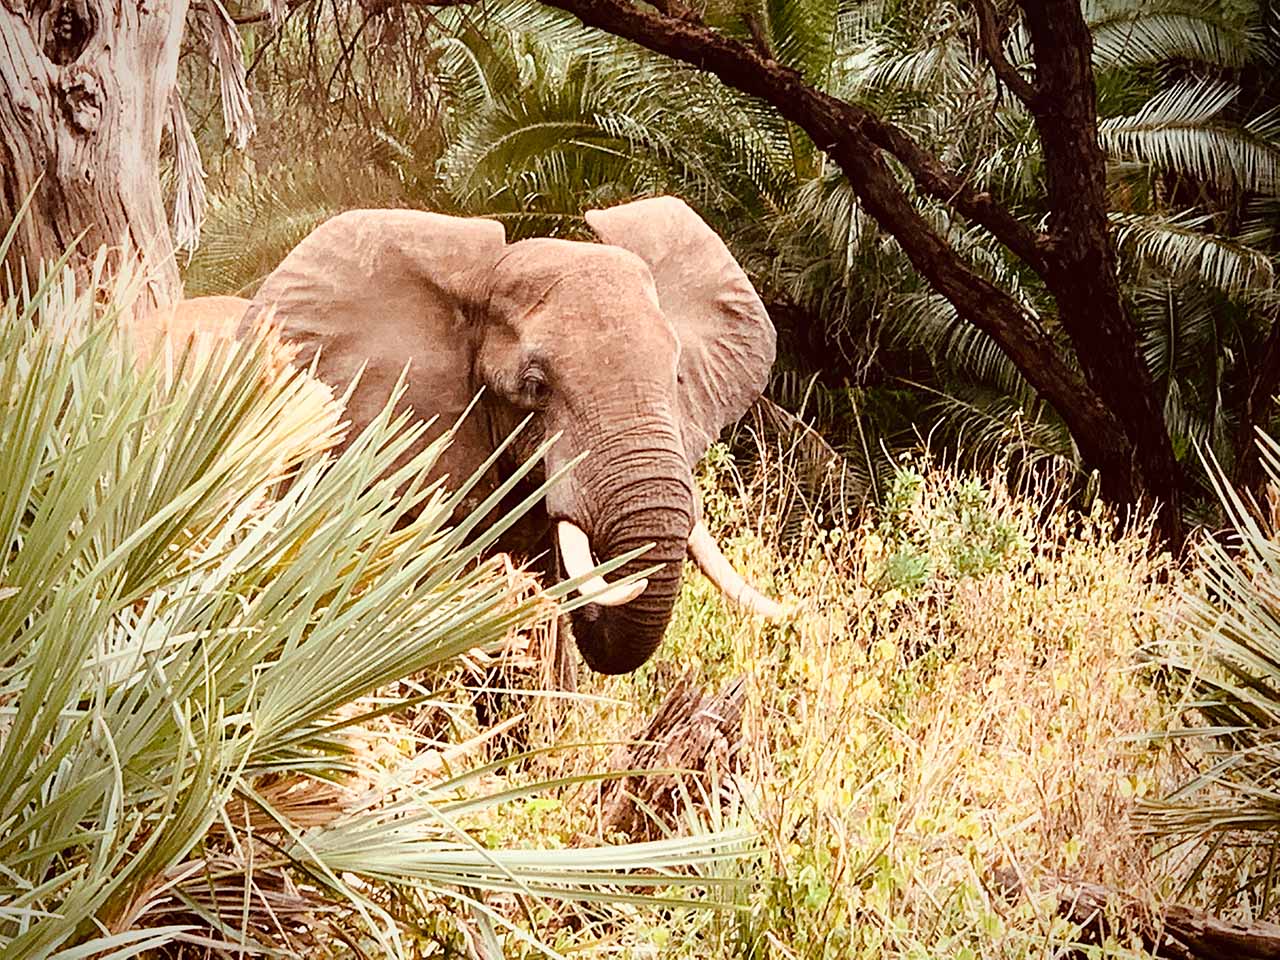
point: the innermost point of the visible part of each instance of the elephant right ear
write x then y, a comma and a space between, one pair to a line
382, 289
727, 342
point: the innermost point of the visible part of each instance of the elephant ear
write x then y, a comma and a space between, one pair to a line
376, 290
726, 338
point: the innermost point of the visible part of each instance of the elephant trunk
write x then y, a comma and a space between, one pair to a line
653, 504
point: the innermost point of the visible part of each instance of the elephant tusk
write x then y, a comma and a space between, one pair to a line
717, 568
575, 550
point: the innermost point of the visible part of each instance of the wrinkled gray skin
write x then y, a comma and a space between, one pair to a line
638, 350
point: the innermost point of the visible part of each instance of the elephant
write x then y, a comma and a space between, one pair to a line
637, 350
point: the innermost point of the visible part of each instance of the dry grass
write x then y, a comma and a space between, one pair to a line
961, 692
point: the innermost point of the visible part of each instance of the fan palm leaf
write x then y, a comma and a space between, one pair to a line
180, 633
1230, 664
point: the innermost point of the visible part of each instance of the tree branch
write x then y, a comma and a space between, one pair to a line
245, 19
371, 7
853, 137
991, 45
756, 72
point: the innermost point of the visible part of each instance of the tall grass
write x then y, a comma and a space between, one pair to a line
962, 698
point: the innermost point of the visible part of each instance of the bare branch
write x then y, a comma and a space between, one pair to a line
278, 10
991, 44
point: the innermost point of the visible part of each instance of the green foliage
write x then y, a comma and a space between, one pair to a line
956, 535
1181, 130
1127, 35
191, 654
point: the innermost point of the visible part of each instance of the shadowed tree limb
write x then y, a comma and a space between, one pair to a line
990, 44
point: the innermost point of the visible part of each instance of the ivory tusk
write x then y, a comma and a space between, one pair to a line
575, 550
717, 568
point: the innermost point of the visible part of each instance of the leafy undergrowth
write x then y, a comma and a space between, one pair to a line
961, 696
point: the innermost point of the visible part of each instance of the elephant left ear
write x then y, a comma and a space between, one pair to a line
727, 341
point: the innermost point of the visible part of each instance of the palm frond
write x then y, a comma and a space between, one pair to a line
985, 430
1185, 244
1181, 129
246, 235
1230, 667
803, 35
1128, 34
225, 52
1180, 323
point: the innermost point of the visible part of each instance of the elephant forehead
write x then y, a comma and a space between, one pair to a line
569, 274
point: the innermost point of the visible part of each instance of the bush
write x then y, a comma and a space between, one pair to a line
925, 535
902, 746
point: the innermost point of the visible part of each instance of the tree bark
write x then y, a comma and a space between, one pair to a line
1119, 432
1081, 269
84, 92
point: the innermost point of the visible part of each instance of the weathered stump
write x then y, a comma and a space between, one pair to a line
85, 93
693, 734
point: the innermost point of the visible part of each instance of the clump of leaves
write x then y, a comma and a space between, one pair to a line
951, 533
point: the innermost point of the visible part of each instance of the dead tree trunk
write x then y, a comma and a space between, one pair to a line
85, 86
1174, 931
693, 734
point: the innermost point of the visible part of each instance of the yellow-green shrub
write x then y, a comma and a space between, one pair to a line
908, 735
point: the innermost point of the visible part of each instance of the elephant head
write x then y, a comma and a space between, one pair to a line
636, 350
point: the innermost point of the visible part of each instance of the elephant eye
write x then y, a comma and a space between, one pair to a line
535, 389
